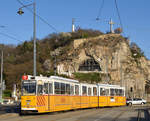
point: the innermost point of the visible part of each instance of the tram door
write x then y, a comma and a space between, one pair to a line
46, 95
50, 92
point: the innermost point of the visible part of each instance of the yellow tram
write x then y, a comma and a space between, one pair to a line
49, 94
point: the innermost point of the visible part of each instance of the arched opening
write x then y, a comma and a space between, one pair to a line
89, 65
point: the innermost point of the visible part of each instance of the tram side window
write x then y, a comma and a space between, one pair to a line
57, 88
107, 92
72, 90
89, 91
112, 92
62, 88
84, 90
117, 92
76, 89
40, 89
102, 91
45, 90
121, 92
94, 91
68, 89
50, 88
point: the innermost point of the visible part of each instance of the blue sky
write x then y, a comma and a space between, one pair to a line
59, 13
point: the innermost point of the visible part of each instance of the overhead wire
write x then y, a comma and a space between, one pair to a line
116, 5
52, 27
117, 9
100, 10
9, 36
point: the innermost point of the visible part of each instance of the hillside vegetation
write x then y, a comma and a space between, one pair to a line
18, 60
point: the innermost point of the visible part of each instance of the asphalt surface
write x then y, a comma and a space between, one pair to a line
4, 109
126, 113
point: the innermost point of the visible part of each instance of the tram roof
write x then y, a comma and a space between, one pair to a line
108, 85
51, 77
63, 79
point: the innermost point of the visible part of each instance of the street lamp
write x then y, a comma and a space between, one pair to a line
20, 12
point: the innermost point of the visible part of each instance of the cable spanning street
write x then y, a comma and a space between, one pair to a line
134, 113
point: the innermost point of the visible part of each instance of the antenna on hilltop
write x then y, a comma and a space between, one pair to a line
73, 26
111, 23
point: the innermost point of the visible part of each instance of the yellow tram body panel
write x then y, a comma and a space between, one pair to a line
76, 102
103, 101
54, 103
62, 102
28, 102
111, 101
93, 101
119, 101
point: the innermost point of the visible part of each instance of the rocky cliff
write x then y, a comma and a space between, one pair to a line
111, 56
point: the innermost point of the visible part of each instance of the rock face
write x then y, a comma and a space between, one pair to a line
108, 54
47, 65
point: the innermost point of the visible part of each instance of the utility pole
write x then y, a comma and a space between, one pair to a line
34, 36
1, 88
73, 26
111, 26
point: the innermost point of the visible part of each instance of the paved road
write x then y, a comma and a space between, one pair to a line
9, 109
136, 113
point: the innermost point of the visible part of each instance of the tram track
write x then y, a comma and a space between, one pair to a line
139, 115
12, 117
145, 116
118, 116
111, 114
55, 116
100, 114
59, 116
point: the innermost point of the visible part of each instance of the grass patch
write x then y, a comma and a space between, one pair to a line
88, 77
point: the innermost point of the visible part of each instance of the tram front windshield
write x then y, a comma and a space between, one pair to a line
29, 88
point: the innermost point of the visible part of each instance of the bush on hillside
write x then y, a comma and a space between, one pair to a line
88, 77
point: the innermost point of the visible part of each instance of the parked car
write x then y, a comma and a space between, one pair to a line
136, 101
7, 101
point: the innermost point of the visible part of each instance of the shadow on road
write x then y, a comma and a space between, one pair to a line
9, 109
146, 116
136, 119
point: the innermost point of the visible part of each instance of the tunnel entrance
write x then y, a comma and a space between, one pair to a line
89, 65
